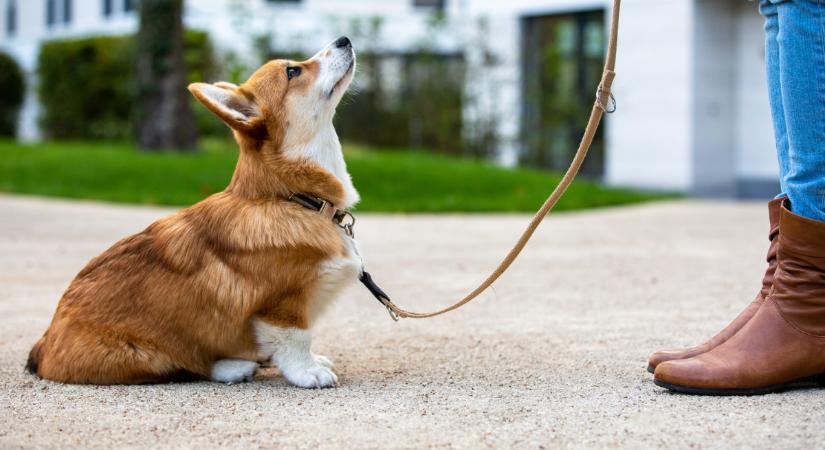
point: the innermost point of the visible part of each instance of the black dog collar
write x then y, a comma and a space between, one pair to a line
340, 217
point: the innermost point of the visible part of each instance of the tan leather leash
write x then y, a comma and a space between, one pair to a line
604, 99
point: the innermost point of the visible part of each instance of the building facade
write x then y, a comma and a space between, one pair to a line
693, 108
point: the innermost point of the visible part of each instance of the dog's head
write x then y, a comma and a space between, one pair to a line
285, 102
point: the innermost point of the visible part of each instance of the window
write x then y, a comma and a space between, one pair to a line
11, 17
51, 12
107, 8
283, 1
435, 4
67, 11
561, 66
58, 11
129, 5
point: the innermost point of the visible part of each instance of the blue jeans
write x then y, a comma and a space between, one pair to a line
795, 60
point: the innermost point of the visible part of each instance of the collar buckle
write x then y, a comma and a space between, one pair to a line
343, 218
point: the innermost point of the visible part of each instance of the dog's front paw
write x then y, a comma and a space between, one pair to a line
323, 360
312, 376
233, 370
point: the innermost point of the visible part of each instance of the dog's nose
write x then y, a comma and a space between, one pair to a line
343, 41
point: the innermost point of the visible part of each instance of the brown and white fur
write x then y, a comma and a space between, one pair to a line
238, 279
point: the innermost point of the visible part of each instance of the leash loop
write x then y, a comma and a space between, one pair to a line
608, 105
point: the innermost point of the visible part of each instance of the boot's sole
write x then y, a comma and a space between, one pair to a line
815, 381
651, 369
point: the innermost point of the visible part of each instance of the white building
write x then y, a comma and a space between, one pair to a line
693, 109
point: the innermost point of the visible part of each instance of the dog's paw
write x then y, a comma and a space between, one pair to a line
323, 360
231, 371
311, 377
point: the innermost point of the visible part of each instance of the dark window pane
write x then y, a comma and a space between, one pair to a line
51, 13
437, 4
129, 5
67, 11
562, 65
11, 17
107, 7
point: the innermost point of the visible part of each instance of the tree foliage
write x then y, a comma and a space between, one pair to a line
12, 89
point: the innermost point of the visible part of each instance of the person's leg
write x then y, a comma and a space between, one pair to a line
801, 40
769, 10
784, 343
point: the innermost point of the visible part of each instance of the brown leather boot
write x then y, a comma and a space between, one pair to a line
774, 207
783, 345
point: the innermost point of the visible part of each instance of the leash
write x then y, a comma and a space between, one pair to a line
605, 104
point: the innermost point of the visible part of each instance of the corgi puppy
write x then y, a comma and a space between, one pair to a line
237, 280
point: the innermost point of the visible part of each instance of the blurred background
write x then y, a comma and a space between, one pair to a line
458, 105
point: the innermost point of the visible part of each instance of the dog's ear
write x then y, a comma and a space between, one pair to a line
226, 101
226, 85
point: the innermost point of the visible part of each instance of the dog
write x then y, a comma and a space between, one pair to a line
237, 280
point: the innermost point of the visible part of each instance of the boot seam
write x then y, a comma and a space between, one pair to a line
792, 324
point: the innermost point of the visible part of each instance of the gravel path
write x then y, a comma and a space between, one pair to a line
553, 357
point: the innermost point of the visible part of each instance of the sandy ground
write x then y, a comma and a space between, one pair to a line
553, 357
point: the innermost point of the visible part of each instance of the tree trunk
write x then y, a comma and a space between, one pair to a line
164, 118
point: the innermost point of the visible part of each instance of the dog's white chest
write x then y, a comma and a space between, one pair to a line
334, 275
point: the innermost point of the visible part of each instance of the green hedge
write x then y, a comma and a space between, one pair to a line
12, 88
87, 88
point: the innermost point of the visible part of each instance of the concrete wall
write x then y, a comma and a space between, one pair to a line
756, 163
714, 98
649, 140
734, 153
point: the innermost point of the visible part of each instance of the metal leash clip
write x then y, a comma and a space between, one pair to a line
393, 315
346, 221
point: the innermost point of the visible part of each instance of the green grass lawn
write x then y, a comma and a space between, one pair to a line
389, 181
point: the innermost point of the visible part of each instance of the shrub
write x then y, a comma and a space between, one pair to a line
87, 87
12, 87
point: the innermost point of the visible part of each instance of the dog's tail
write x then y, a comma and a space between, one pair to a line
35, 355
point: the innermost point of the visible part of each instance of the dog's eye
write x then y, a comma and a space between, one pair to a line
292, 72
